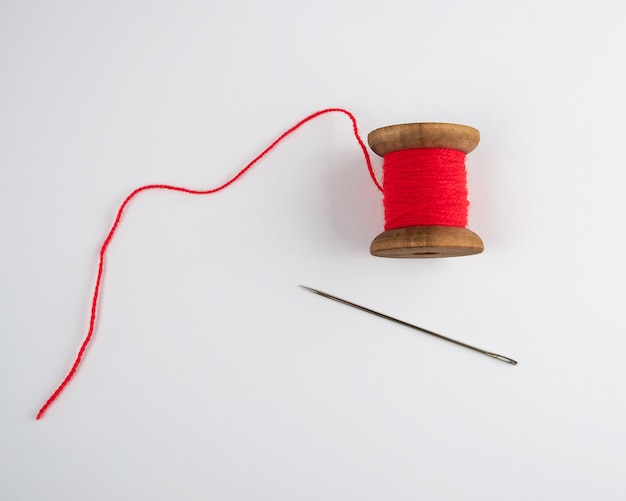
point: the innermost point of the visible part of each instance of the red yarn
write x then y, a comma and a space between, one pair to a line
425, 187
107, 241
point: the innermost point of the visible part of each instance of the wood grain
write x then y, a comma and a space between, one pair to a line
423, 135
426, 242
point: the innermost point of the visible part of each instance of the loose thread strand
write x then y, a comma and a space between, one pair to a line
96, 293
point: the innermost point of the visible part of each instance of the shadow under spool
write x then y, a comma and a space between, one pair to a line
425, 241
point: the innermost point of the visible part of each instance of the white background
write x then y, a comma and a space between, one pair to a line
211, 374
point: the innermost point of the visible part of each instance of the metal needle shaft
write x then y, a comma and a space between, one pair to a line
406, 324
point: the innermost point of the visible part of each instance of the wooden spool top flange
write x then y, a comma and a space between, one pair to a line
423, 135
425, 241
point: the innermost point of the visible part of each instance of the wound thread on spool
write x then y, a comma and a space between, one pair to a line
425, 187
425, 190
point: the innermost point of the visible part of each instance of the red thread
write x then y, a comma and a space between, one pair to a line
425, 187
107, 241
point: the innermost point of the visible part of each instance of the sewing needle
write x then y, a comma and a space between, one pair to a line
382, 315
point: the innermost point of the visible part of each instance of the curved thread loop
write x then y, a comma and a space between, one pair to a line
96, 293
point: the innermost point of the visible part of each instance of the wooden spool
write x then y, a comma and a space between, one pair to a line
425, 241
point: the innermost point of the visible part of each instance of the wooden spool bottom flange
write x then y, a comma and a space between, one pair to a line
425, 241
